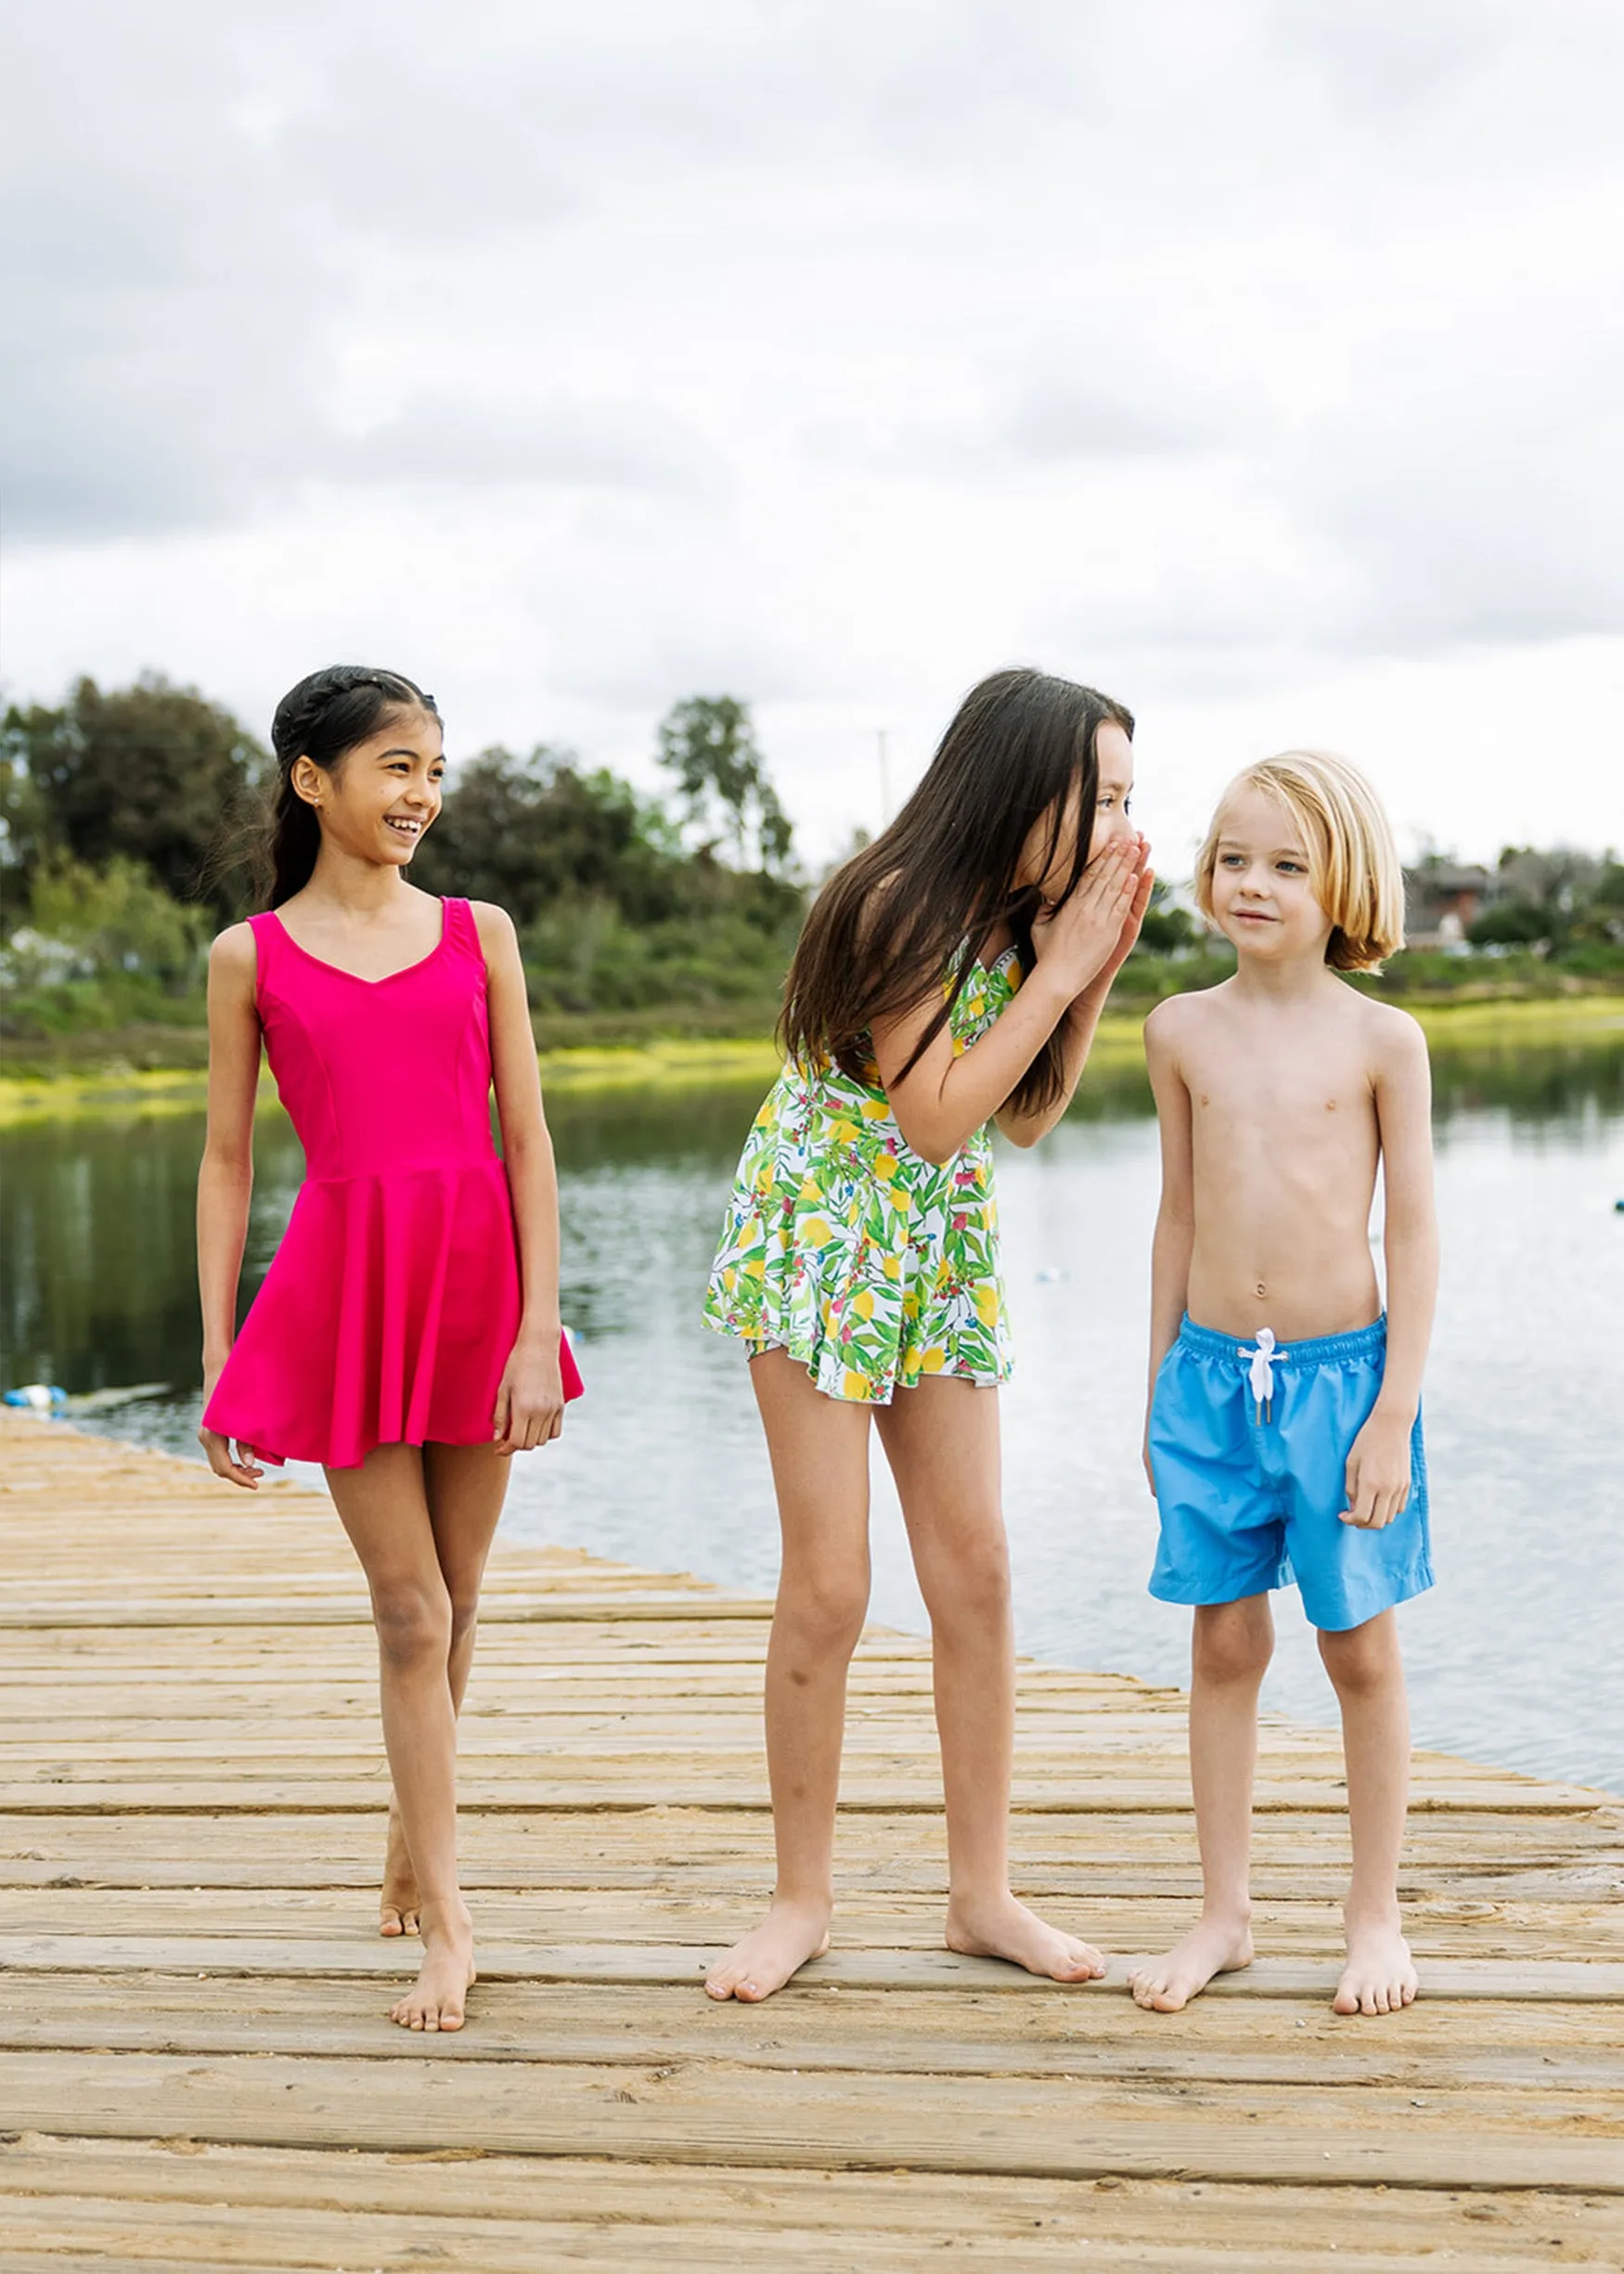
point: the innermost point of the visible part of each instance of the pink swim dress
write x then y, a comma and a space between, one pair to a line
390, 1307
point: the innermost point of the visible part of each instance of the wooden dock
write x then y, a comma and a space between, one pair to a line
196, 2072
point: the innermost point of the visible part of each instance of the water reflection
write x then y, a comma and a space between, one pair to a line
662, 1464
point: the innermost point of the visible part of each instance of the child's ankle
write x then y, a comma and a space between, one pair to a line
1378, 1906
1228, 1911
810, 1899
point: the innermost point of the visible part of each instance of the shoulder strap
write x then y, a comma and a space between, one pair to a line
462, 932
268, 937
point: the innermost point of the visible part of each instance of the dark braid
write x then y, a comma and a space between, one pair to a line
323, 717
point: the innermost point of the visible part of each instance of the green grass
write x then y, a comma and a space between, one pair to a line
689, 1062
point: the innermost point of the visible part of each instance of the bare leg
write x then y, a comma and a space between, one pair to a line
1367, 1671
942, 1441
384, 1508
820, 1452
465, 1485
1230, 1648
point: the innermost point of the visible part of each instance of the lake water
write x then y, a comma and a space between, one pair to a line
1516, 1657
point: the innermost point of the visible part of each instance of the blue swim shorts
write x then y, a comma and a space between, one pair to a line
1249, 1446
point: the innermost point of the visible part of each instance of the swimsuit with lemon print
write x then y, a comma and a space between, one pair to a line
870, 1266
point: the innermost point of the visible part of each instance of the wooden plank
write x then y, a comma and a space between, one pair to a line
1439, 2049
272, 1615
705, 2114
880, 2208
84, 2239
600, 1785
1551, 1980
1301, 1924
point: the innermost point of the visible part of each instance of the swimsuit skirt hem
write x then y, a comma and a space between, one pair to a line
401, 1296
831, 1371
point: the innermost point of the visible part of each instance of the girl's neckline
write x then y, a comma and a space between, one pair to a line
404, 970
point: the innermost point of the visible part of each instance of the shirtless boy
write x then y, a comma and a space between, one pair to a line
1283, 1436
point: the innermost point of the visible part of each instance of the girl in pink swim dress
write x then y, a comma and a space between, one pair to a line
406, 1335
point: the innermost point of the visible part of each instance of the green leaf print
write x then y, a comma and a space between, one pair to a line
870, 1266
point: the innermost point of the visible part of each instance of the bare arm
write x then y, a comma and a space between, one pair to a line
946, 1097
225, 1177
530, 1403
1175, 1235
1378, 1466
1410, 1230
1081, 1022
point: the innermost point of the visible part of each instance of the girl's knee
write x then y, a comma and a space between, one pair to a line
413, 1622
970, 1588
822, 1611
464, 1608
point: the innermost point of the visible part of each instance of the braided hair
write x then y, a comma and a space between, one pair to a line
323, 717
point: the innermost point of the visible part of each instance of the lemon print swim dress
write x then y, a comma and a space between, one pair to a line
870, 1266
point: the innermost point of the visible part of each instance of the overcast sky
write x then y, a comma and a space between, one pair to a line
1261, 364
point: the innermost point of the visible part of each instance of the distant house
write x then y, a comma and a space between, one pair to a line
1441, 899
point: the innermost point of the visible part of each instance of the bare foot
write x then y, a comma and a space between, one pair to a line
764, 1962
397, 1905
1005, 1929
1216, 1945
1380, 1975
435, 1999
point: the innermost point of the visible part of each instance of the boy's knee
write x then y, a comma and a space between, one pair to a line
1232, 1642
1361, 1660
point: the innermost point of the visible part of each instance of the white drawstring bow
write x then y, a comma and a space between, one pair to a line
1261, 1373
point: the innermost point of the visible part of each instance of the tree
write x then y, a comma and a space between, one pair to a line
1544, 898
531, 832
113, 920
708, 743
150, 772
1167, 927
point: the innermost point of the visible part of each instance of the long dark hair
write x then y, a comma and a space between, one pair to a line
323, 717
918, 905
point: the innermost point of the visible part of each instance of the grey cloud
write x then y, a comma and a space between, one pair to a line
219, 215
1466, 508
1385, 62
448, 439
1050, 420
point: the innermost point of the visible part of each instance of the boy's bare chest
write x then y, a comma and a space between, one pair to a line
1310, 1102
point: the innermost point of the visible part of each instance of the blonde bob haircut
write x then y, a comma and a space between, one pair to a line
1354, 866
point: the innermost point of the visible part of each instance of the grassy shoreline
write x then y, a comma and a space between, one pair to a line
116, 1087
